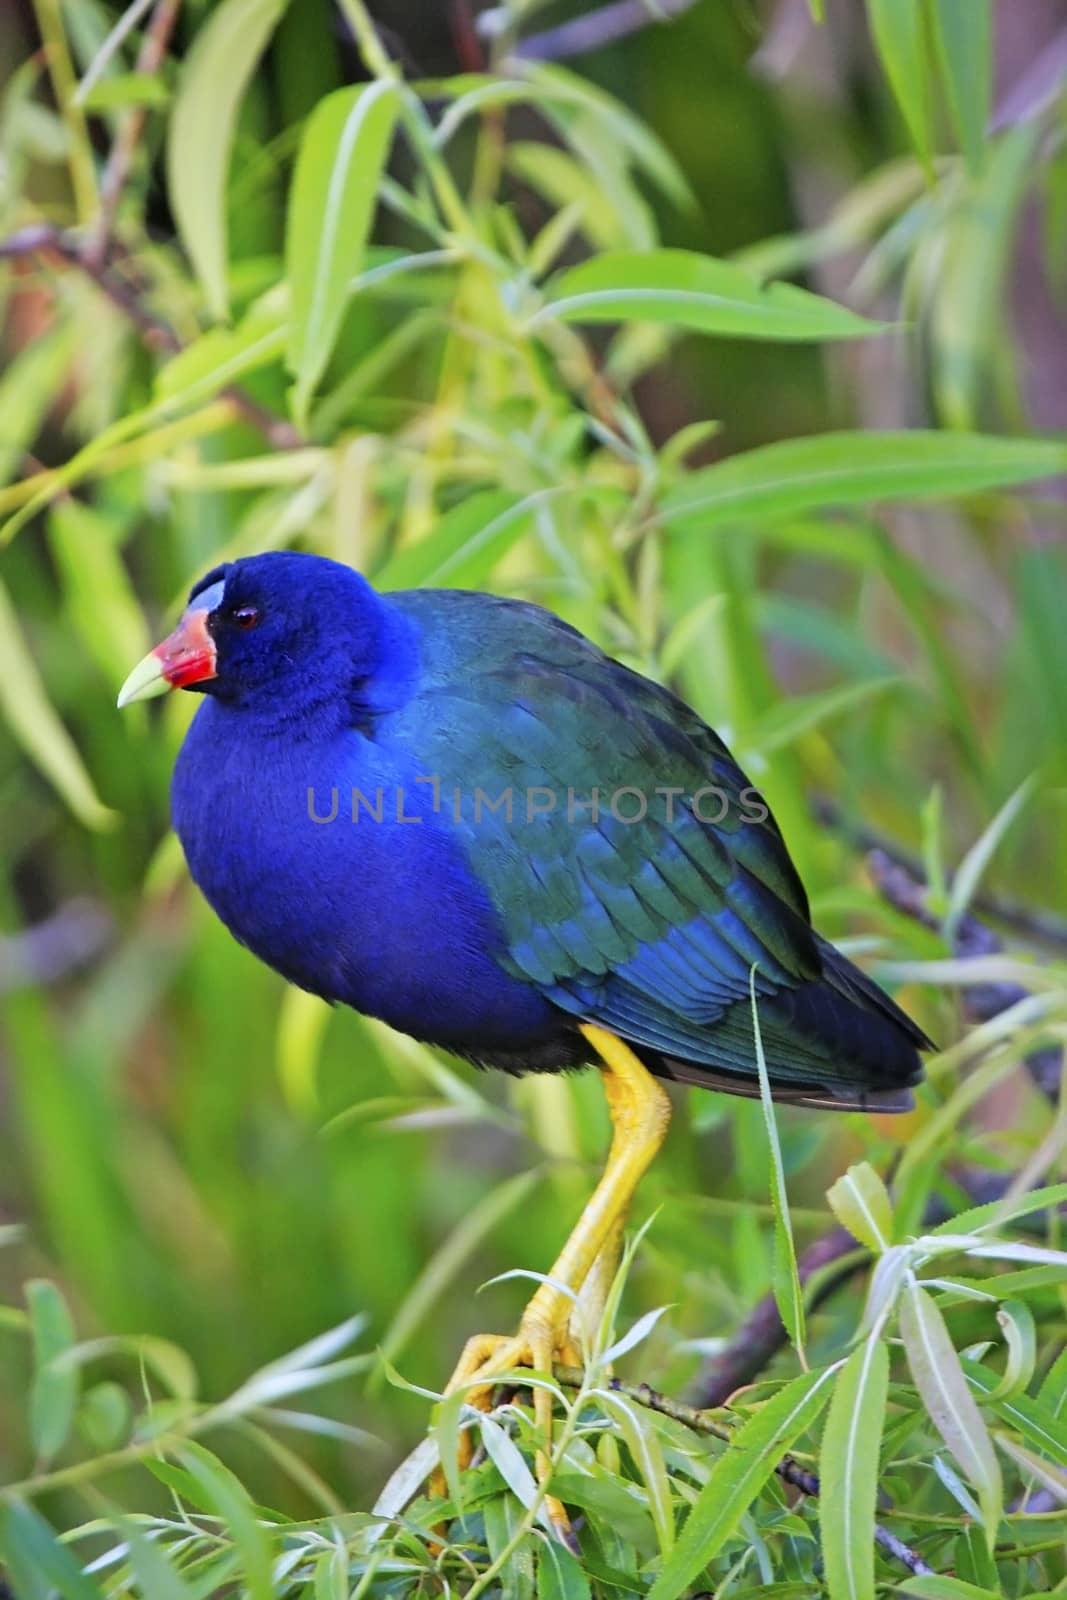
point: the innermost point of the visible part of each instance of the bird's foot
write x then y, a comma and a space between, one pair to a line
543, 1340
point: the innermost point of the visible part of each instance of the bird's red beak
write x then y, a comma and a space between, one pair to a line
185, 656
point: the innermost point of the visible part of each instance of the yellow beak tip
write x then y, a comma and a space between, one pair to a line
144, 682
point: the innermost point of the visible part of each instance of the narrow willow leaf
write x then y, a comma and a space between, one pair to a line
848, 1471
98, 594
155, 1575
797, 715
973, 1562
971, 869
932, 1587
618, 124
502, 1516
963, 32
738, 1476
935, 1367
1039, 1422
1051, 1478
54, 1390
223, 355
788, 1292
37, 1563
633, 1335
1053, 1391
997, 1213
331, 205
228, 1499
559, 1577
34, 723
898, 30
214, 77
841, 469
28, 388
860, 1202
1020, 1335
509, 1461
465, 544
643, 1443
688, 290
457, 1248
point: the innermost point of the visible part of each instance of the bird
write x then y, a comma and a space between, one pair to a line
452, 811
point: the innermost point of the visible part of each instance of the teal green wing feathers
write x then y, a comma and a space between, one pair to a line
637, 875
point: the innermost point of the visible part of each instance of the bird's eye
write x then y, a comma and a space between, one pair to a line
245, 616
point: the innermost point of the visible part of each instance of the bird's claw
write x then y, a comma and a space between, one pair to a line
542, 1341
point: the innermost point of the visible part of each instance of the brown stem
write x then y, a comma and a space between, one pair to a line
149, 60
789, 1470
44, 240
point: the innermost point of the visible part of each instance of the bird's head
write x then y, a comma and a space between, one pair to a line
277, 633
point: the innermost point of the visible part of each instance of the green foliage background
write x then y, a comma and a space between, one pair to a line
464, 354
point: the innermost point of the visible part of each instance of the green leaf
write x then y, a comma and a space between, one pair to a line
104, 1416
1020, 1335
559, 1577
897, 27
975, 251
222, 355
124, 89
28, 388
689, 290
643, 1443
466, 543
963, 31
96, 588
331, 205
54, 1391
1038, 1420
860, 1202
1053, 1391
214, 77
1051, 1478
997, 1213
509, 1461
227, 1498
788, 1292
156, 1576
935, 1367
796, 715
738, 1476
931, 1587
842, 469
848, 1471
971, 869
34, 723
40, 1567
502, 1515
615, 121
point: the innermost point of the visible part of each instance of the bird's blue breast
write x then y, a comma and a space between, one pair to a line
327, 859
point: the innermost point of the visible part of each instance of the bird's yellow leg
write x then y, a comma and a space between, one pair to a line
640, 1112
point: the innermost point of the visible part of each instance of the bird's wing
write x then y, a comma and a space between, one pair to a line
647, 911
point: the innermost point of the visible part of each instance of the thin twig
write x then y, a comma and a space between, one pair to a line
789, 1470
599, 28
149, 60
44, 240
